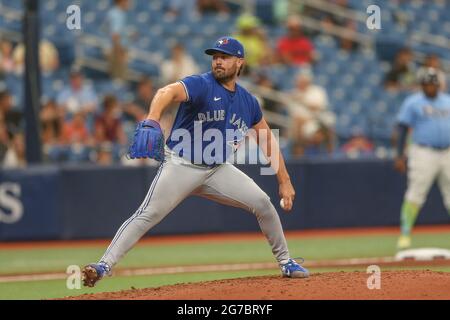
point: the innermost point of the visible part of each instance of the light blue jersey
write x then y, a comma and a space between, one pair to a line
117, 24
429, 118
74, 100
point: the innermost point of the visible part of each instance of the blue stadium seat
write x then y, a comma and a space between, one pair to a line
103, 5
12, 4
79, 154
353, 80
144, 67
144, 43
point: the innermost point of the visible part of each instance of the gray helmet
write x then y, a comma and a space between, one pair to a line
428, 76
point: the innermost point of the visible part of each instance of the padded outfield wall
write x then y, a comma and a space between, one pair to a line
72, 202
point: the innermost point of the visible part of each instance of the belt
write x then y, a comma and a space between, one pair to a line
434, 147
188, 161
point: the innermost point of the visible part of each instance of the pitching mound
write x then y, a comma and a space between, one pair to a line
341, 285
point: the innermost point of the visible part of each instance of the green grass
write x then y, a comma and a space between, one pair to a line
57, 288
45, 260
150, 255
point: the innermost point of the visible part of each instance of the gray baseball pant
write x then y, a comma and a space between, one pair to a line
175, 180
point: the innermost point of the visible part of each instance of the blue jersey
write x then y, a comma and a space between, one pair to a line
213, 120
429, 118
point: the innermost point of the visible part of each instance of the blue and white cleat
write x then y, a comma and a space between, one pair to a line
94, 272
292, 269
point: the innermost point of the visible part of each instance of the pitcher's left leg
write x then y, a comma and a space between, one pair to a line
228, 185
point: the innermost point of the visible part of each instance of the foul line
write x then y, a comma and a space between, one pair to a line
385, 261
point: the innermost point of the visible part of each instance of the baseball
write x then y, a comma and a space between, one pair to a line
282, 203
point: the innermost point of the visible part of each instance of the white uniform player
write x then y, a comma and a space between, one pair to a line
427, 114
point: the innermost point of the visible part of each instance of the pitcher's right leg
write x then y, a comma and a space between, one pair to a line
172, 183
132, 229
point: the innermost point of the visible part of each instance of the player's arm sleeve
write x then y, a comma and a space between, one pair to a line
406, 115
257, 113
195, 87
402, 135
405, 119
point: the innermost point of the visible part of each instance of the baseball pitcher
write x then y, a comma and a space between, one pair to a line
211, 102
427, 115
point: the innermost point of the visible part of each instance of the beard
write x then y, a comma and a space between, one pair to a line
223, 76
430, 92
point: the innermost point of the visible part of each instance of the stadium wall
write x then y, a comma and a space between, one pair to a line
90, 202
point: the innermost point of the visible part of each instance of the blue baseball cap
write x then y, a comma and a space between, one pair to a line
227, 45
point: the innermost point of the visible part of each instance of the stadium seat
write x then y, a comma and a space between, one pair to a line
353, 80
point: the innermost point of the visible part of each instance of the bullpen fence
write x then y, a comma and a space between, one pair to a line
72, 202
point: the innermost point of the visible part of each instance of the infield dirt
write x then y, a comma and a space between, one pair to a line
330, 286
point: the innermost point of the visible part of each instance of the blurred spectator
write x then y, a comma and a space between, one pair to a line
75, 131
313, 124
76, 141
306, 93
4, 138
433, 61
78, 96
212, 6
252, 37
264, 81
175, 7
51, 123
11, 118
7, 64
280, 10
358, 144
294, 48
138, 109
402, 75
180, 65
105, 154
117, 21
108, 127
268, 104
330, 21
15, 155
48, 57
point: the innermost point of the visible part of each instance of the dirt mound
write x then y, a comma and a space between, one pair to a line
340, 285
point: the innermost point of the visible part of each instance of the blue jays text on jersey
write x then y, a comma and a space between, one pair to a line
210, 106
429, 118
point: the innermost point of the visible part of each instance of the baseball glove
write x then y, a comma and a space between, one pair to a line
148, 141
